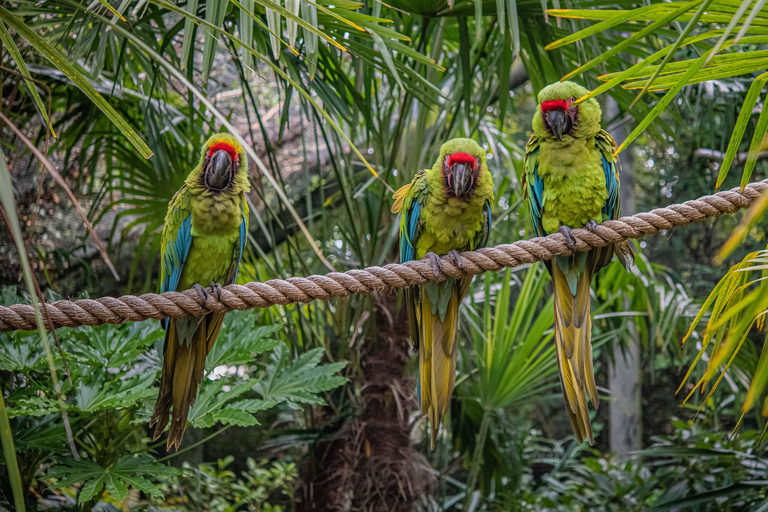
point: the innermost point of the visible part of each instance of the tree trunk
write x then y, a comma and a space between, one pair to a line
371, 464
624, 375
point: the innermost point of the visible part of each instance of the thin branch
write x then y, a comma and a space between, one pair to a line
719, 155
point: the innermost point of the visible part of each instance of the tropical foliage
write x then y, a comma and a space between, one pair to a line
338, 104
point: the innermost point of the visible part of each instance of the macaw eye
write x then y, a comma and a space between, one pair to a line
446, 160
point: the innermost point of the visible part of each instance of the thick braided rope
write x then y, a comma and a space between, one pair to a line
130, 308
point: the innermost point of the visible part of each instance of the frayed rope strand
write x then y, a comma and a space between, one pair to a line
130, 308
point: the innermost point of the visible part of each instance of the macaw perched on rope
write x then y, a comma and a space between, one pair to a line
571, 180
446, 209
202, 242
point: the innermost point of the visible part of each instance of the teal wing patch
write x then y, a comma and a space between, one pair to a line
533, 185
606, 145
175, 244
176, 252
243, 236
410, 223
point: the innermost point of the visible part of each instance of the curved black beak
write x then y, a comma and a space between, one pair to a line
462, 177
217, 177
560, 123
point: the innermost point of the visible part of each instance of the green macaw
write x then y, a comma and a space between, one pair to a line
571, 180
446, 209
202, 242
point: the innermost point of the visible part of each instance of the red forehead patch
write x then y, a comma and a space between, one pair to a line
223, 146
461, 158
554, 105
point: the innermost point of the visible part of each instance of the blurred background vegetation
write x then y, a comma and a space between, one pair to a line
312, 407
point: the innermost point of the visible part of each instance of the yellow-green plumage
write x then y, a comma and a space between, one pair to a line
571, 178
202, 243
436, 221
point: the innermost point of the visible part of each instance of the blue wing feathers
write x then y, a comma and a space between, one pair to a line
407, 235
612, 185
537, 201
488, 212
243, 235
175, 255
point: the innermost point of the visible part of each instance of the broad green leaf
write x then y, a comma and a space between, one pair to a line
273, 22
212, 397
758, 381
127, 471
734, 21
345, 20
688, 502
239, 342
750, 100
675, 47
246, 30
300, 381
479, 19
253, 405
7, 41
215, 11
115, 487
738, 68
142, 484
756, 147
662, 104
407, 51
279, 10
629, 41
501, 14
95, 395
91, 489
514, 26
751, 18
112, 10
19, 357
292, 6
384, 51
309, 14
680, 66
235, 417
618, 17
61, 62
642, 14
189, 33
275, 33
34, 406
465, 49
616, 78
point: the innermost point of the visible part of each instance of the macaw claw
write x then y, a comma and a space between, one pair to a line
591, 225
201, 292
437, 264
570, 240
216, 288
456, 259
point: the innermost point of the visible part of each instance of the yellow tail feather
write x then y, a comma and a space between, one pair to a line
573, 335
183, 367
437, 360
